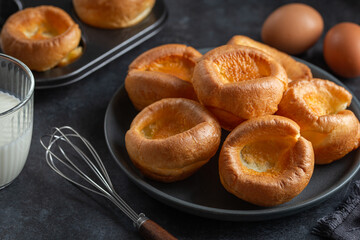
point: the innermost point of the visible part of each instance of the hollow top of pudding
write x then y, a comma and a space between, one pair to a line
169, 117
168, 122
39, 23
307, 101
294, 69
173, 59
264, 144
177, 66
232, 64
241, 66
323, 97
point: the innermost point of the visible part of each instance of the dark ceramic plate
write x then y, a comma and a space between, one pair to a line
101, 46
202, 194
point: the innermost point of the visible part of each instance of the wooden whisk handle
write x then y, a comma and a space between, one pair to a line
150, 230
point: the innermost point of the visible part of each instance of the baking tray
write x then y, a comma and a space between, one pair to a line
101, 46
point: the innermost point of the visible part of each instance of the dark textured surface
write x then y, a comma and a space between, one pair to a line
41, 205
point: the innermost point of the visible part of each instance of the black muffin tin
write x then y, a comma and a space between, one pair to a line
100, 46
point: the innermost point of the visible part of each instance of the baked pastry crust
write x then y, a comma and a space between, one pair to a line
237, 83
162, 72
171, 139
40, 37
318, 106
112, 13
294, 69
265, 161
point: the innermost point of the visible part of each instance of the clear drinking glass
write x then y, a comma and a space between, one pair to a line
16, 117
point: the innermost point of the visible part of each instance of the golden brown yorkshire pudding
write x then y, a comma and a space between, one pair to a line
318, 106
162, 72
41, 37
238, 83
265, 161
294, 69
112, 13
172, 138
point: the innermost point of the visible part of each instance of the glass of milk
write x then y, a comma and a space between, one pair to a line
16, 117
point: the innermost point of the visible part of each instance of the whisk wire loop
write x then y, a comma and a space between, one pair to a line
103, 173
93, 161
50, 160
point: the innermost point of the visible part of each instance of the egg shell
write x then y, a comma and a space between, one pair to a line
342, 49
293, 28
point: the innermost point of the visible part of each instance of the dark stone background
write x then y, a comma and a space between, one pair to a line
41, 205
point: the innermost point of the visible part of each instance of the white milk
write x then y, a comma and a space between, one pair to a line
15, 138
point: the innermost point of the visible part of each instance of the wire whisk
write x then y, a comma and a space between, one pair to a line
68, 154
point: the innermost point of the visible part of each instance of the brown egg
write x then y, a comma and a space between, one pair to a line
293, 28
342, 49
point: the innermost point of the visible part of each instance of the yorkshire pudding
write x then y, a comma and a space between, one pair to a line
318, 106
238, 83
294, 69
41, 37
265, 161
112, 13
171, 139
161, 72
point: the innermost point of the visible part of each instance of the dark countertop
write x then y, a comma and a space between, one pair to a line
41, 205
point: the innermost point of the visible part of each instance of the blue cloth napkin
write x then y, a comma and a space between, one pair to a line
344, 223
